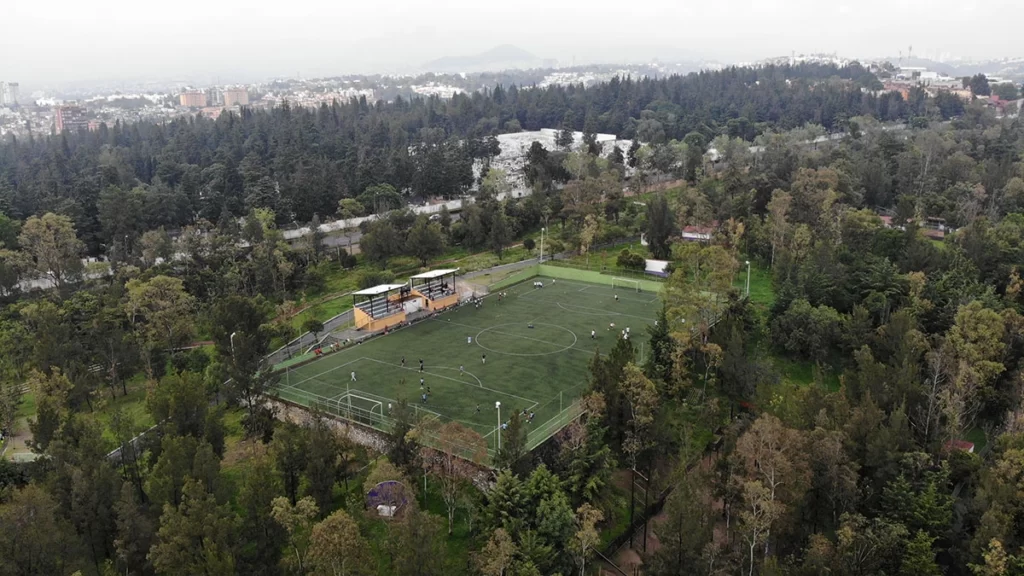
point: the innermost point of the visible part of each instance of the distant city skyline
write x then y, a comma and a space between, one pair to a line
66, 41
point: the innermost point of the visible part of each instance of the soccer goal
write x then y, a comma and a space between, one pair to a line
626, 283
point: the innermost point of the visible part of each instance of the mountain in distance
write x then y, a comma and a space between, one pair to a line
504, 57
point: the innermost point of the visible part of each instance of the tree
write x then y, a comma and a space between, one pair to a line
979, 85
289, 453
771, 453
642, 399
501, 234
416, 544
757, 517
778, 208
1006, 91
36, 540
180, 404
261, 534
494, 186
337, 549
566, 136
425, 240
322, 453
196, 537
135, 534
513, 445
156, 245
660, 226
160, 313
585, 458
687, 526
497, 556
380, 243
586, 538
403, 445
452, 462
297, 519
314, 326
53, 247
51, 394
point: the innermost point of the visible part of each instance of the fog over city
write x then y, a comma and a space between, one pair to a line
73, 41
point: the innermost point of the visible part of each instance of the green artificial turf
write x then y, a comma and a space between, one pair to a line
542, 369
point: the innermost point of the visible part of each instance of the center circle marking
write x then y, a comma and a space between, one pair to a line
485, 330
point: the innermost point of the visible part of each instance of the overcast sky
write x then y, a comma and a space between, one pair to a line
57, 41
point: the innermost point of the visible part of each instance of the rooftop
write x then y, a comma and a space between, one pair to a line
434, 274
378, 290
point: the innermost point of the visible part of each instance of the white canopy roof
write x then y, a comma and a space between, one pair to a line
434, 274
378, 290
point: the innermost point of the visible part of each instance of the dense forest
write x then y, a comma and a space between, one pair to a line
856, 411
300, 162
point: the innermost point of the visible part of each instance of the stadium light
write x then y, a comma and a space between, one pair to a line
233, 343
541, 261
498, 406
748, 279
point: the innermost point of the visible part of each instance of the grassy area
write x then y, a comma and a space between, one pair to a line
133, 405
608, 257
27, 407
540, 369
977, 436
761, 291
802, 373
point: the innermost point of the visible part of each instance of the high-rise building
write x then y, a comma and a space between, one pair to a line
9, 93
72, 119
193, 98
236, 97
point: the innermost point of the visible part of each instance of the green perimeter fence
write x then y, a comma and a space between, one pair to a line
365, 409
565, 271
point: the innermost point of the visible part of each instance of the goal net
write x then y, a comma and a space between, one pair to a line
626, 283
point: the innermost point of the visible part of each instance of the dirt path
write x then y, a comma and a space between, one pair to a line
17, 445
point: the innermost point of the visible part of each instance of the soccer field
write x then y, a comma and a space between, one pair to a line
473, 357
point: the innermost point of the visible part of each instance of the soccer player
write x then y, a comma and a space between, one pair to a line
477, 408
353, 376
421, 382
403, 361
421, 364
483, 359
469, 339
460, 369
593, 334
616, 297
424, 397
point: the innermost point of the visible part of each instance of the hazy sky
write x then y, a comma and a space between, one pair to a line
56, 41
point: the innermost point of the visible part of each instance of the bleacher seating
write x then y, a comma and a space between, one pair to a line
435, 291
380, 308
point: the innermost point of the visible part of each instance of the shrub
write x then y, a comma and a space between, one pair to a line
630, 260
370, 278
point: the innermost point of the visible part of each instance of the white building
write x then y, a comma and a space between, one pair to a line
9, 94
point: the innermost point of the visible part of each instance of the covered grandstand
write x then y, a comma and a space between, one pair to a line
380, 307
437, 288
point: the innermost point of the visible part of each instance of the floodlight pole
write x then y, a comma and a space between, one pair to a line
233, 343
541, 261
498, 406
748, 279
